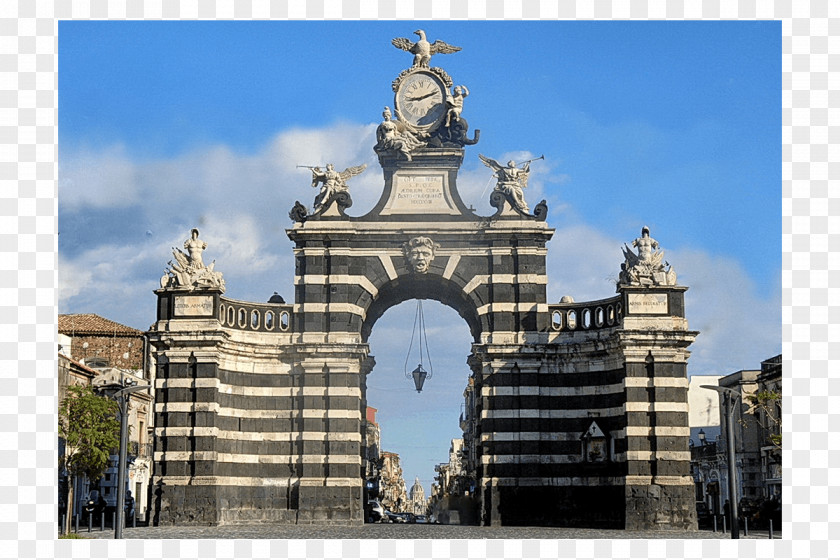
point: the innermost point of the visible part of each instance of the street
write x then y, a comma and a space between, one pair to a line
400, 531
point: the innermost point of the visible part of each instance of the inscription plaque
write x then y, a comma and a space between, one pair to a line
193, 305
647, 303
424, 193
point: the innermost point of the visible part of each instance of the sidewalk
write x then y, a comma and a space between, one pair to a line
400, 531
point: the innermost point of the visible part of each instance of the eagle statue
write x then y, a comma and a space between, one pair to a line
422, 49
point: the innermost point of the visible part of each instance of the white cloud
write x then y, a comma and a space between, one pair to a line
738, 326
583, 263
241, 202
94, 179
73, 278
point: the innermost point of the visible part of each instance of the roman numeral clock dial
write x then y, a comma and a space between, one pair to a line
421, 100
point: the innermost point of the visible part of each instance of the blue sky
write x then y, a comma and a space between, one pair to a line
164, 126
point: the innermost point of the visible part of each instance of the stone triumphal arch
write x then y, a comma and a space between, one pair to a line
580, 411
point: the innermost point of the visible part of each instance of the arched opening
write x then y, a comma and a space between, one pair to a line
425, 287
418, 427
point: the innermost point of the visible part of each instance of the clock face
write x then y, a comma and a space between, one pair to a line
421, 99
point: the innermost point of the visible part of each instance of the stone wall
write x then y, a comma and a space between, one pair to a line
246, 433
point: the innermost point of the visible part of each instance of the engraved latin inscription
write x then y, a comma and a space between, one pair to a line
647, 303
418, 194
193, 305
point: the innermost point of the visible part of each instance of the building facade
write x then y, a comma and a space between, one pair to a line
113, 354
392, 493
70, 373
758, 464
372, 460
579, 408
770, 426
417, 498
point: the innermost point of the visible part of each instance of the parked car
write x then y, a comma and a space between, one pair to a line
374, 512
395, 517
421, 519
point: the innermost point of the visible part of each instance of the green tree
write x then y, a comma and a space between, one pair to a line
767, 406
91, 431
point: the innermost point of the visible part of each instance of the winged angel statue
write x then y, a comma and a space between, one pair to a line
647, 267
332, 183
422, 49
510, 180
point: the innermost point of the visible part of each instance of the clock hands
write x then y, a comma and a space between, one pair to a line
421, 97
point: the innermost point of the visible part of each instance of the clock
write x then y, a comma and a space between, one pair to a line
420, 99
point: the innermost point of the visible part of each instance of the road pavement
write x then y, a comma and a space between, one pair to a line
399, 531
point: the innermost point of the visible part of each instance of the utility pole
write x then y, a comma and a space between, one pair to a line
730, 398
122, 395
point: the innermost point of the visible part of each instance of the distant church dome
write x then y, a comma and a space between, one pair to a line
417, 489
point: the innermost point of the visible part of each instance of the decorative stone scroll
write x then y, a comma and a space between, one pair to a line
647, 267
189, 272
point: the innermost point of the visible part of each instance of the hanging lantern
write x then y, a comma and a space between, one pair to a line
419, 374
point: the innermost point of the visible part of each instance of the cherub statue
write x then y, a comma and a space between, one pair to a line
455, 104
332, 182
511, 180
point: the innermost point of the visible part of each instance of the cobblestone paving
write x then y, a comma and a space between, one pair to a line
398, 531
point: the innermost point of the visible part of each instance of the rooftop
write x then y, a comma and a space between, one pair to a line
91, 323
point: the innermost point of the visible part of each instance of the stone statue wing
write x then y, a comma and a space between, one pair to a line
352, 171
656, 260
182, 258
490, 162
403, 43
630, 257
442, 48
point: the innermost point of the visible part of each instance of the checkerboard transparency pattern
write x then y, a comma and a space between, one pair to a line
29, 279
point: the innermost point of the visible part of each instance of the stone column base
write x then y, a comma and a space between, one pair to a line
660, 505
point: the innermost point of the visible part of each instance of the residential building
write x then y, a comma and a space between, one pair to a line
70, 373
757, 432
469, 427
371, 456
392, 493
109, 353
746, 428
770, 426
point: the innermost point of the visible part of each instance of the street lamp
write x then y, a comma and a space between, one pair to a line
730, 451
702, 436
122, 395
419, 374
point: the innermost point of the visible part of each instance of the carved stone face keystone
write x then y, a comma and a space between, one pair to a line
419, 254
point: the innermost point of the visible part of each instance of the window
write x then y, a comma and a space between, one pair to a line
556, 320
